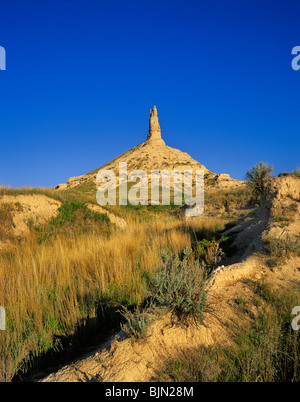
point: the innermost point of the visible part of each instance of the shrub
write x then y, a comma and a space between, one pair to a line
138, 321
181, 287
210, 252
257, 178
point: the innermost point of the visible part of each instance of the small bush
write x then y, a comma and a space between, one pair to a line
210, 252
257, 177
181, 287
137, 322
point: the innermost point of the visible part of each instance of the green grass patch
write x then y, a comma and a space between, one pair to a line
73, 218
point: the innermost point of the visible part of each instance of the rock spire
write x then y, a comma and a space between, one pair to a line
154, 134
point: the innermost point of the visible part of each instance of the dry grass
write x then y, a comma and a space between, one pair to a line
48, 288
6, 220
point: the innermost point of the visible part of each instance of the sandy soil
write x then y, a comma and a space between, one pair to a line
36, 208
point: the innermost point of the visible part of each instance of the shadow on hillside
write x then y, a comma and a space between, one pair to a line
89, 334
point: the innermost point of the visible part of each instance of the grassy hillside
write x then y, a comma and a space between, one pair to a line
64, 281
70, 270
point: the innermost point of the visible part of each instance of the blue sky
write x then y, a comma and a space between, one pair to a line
82, 76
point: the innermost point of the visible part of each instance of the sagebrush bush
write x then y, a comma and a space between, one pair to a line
257, 177
178, 286
138, 321
181, 286
210, 252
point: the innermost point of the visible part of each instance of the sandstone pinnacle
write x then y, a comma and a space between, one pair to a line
154, 134
153, 154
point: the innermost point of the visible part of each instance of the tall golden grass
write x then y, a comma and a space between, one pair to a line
48, 288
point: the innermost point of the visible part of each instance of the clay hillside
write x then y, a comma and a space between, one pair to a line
154, 154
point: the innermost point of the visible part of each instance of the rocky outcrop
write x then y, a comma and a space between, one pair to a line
280, 189
277, 216
154, 134
154, 154
222, 181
